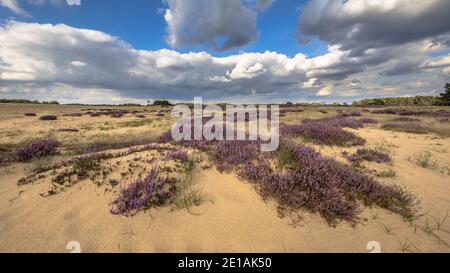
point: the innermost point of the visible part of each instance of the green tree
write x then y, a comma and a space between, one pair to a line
445, 97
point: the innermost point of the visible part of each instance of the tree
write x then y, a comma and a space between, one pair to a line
445, 97
162, 103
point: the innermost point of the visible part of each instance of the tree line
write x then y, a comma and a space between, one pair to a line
441, 100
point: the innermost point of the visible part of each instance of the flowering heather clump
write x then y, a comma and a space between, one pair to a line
323, 185
48, 118
117, 114
231, 153
181, 156
36, 149
405, 127
444, 120
68, 130
386, 111
368, 121
441, 113
30, 114
73, 115
405, 119
352, 114
143, 194
140, 116
369, 155
323, 133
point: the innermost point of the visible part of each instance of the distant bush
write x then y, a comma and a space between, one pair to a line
444, 98
30, 114
24, 101
405, 119
162, 103
36, 149
19, 101
68, 130
397, 101
368, 120
48, 118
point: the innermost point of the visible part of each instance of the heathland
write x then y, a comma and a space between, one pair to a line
112, 179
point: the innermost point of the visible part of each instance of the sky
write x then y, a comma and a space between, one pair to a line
241, 51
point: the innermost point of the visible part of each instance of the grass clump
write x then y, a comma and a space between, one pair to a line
188, 194
391, 173
425, 160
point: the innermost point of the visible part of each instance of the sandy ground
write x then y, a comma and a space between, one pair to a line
237, 219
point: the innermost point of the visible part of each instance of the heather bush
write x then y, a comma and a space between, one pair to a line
323, 133
73, 115
48, 118
30, 114
227, 154
351, 114
36, 149
310, 181
68, 130
151, 191
181, 156
405, 119
368, 121
368, 155
387, 111
117, 115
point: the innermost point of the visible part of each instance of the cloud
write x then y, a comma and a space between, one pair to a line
45, 54
361, 25
218, 24
14, 5
45, 61
74, 2
263, 4
325, 91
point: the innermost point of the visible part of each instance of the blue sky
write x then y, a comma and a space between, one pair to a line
142, 24
219, 49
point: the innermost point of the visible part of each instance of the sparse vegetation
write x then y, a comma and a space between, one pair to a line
368, 155
414, 128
